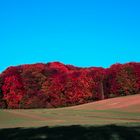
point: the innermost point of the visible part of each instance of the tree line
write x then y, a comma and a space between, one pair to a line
58, 85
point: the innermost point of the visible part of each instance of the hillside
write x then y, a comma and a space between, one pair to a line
121, 110
127, 103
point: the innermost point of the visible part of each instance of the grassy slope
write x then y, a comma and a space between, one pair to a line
111, 111
112, 119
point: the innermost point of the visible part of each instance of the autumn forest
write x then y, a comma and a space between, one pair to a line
54, 84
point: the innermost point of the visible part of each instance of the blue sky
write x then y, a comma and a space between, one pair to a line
79, 32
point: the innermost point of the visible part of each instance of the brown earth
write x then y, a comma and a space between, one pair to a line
129, 103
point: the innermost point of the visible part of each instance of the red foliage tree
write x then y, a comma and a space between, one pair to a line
77, 87
121, 80
13, 91
55, 84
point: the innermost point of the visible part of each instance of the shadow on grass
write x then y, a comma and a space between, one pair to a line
75, 132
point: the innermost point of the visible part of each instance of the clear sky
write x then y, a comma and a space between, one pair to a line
78, 32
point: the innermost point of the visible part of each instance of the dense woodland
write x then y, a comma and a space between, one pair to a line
57, 85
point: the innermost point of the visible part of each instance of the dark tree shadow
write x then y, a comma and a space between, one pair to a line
75, 132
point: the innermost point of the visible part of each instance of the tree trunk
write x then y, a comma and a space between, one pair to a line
102, 91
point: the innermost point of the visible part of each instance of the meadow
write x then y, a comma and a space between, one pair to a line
111, 119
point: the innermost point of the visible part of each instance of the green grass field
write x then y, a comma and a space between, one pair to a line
53, 117
72, 123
